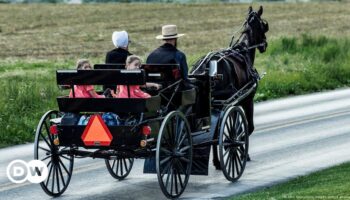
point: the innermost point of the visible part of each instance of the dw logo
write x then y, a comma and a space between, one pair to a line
35, 171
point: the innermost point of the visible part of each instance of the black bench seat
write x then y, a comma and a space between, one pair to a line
116, 105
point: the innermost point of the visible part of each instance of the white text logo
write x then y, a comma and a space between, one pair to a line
35, 171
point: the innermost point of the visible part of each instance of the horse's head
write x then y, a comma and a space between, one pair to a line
256, 27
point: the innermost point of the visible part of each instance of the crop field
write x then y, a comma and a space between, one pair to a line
73, 31
308, 47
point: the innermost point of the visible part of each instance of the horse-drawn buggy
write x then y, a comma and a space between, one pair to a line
173, 130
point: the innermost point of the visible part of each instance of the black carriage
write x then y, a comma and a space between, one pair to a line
173, 130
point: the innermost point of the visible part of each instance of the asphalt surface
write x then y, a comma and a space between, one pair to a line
293, 137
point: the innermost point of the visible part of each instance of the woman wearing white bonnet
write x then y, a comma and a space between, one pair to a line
118, 55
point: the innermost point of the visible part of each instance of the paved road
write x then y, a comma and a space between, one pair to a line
293, 137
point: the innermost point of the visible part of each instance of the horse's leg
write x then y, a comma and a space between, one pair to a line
216, 160
248, 107
215, 117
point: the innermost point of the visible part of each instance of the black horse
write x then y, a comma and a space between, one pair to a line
236, 64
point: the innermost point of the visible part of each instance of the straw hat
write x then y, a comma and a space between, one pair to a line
169, 32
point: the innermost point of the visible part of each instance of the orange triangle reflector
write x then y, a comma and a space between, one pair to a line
96, 132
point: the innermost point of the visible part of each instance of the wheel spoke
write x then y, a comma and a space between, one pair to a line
62, 156
48, 132
124, 161
48, 164
175, 177
239, 161
227, 137
53, 179
165, 150
179, 164
165, 160
46, 157
171, 181
228, 158
185, 159
176, 128
229, 161
64, 167
238, 169
167, 178
62, 178
184, 149
121, 167
42, 136
226, 144
179, 175
48, 176
233, 160
240, 150
180, 132
226, 151
182, 140
57, 181
230, 124
116, 170
170, 137
42, 148
113, 164
240, 135
166, 169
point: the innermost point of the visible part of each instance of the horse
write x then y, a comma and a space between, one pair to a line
236, 64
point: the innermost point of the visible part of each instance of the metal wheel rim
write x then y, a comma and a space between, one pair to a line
120, 167
174, 158
60, 166
233, 143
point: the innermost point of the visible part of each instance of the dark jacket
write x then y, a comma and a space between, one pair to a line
117, 56
168, 54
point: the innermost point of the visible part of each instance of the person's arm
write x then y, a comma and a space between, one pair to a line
148, 84
140, 94
92, 92
95, 95
181, 59
107, 58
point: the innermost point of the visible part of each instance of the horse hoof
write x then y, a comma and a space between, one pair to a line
248, 158
217, 166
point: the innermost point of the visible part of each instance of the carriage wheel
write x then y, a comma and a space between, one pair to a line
60, 166
174, 154
119, 168
233, 143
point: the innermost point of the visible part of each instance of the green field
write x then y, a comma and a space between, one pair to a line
308, 48
332, 183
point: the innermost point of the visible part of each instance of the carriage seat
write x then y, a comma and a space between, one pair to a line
168, 75
104, 77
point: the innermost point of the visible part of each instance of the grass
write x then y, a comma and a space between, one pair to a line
332, 183
299, 65
36, 40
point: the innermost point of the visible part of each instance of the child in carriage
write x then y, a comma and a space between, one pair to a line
84, 91
133, 62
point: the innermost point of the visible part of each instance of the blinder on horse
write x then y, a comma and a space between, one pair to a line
256, 27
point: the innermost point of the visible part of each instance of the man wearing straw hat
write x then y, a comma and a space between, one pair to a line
168, 53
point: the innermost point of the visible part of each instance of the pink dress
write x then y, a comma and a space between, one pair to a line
135, 92
82, 91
